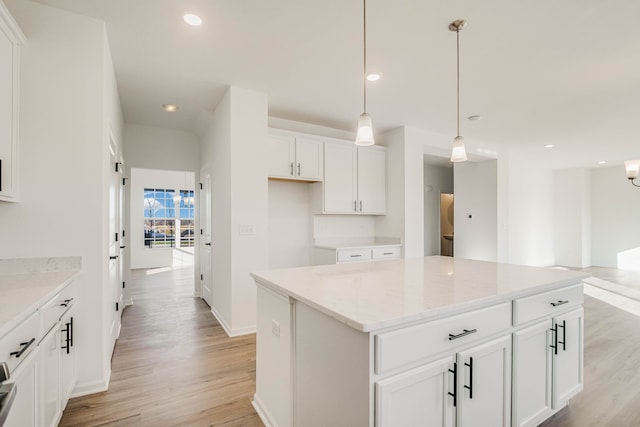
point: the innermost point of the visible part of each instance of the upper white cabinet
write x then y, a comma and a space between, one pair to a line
11, 38
354, 180
295, 157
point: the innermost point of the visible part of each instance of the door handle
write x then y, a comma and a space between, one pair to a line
25, 346
122, 247
298, 169
208, 244
470, 386
113, 257
291, 168
455, 384
464, 332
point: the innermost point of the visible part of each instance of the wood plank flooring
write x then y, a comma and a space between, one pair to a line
174, 366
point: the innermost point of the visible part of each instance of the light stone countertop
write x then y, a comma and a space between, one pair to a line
27, 283
357, 243
375, 295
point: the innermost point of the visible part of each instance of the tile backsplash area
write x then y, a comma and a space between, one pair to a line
343, 228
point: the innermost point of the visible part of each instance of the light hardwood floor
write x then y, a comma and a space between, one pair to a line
174, 366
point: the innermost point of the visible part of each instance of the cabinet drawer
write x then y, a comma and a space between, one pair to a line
22, 340
381, 253
405, 346
348, 255
546, 304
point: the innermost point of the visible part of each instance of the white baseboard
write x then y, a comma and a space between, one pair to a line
232, 332
83, 389
263, 412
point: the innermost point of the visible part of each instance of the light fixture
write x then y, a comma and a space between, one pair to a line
170, 108
602, 162
374, 77
193, 20
632, 167
458, 151
548, 146
364, 136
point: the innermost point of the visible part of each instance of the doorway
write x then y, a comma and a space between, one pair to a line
438, 180
446, 224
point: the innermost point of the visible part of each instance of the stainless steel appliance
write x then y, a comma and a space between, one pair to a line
7, 393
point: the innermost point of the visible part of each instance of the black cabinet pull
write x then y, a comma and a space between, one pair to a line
455, 384
564, 335
122, 247
66, 302
355, 256
67, 340
113, 257
291, 168
554, 346
25, 346
71, 331
464, 332
208, 244
298, 169
559, 302
470, 386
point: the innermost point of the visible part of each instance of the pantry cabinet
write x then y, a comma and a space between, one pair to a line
295, 157
11, 38
354, 180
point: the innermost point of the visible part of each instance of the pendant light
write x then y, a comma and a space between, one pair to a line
364, 135
633, 169
458, 151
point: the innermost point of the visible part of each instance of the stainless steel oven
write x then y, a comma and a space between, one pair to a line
7, 393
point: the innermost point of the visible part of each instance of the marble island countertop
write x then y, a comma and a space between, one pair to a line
27, 283
375, 295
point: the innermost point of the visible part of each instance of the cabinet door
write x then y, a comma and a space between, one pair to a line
49, 383
281, 156
68, 357
484, 385
23, 410
308, 159
339, 179
372, 181
568, 362
531, 375
419, 397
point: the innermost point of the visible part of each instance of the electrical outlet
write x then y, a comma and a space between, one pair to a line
275, 328
246, 229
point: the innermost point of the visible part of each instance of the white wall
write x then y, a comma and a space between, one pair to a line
150, 147
67, 96
143, 256
615, 219
439, 180
290, 224
572, 217
338, 229
476, 210
234, 149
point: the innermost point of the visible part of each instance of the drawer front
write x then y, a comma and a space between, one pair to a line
349, 255
382, 253
20, 341
67, 298
405, 346
546, 304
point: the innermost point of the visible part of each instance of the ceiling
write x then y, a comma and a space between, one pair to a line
538, 72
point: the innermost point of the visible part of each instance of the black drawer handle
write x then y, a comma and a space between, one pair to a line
470, 386
66, 302
388, 253
559, 302
25, 346
464, 332
113, 257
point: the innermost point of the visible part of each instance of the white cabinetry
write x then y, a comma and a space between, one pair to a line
354, 180
68, 370
11, 38
548, 355
327, 255
295, 157
419, 397
49, 386
23, 411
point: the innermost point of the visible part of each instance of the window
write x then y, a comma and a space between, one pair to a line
166, 211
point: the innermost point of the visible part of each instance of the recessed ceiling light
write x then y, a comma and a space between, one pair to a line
602, 162
548, 146
169, 107
192, 19
374, 77
475, 117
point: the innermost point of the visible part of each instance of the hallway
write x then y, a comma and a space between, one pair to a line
173, 364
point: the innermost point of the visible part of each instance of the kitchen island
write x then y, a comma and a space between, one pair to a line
435, 341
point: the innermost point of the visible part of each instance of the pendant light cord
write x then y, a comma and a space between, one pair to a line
458, 77
364, 70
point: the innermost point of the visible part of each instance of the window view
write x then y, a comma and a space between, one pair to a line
166, 211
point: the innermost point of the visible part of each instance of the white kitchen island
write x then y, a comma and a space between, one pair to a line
435, 341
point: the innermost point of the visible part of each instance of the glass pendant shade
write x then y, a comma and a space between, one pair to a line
458, 151
632, 167
364, 137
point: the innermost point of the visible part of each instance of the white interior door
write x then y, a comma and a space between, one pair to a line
205, 237
115, 285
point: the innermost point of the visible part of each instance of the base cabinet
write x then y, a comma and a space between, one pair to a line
49, 385
567, 357
420, 397
68, 370
23, 411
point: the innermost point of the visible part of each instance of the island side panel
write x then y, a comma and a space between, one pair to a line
273, 358
332, 367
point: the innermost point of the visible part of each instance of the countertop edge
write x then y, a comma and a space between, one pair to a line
355, 246
33, 307
432, 314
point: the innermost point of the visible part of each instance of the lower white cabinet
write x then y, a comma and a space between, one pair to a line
548, 367
420, 397
23, 411
68, 370
49, 384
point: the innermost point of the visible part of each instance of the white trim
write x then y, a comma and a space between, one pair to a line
228, 330
83, 389
263, 412
15, 32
